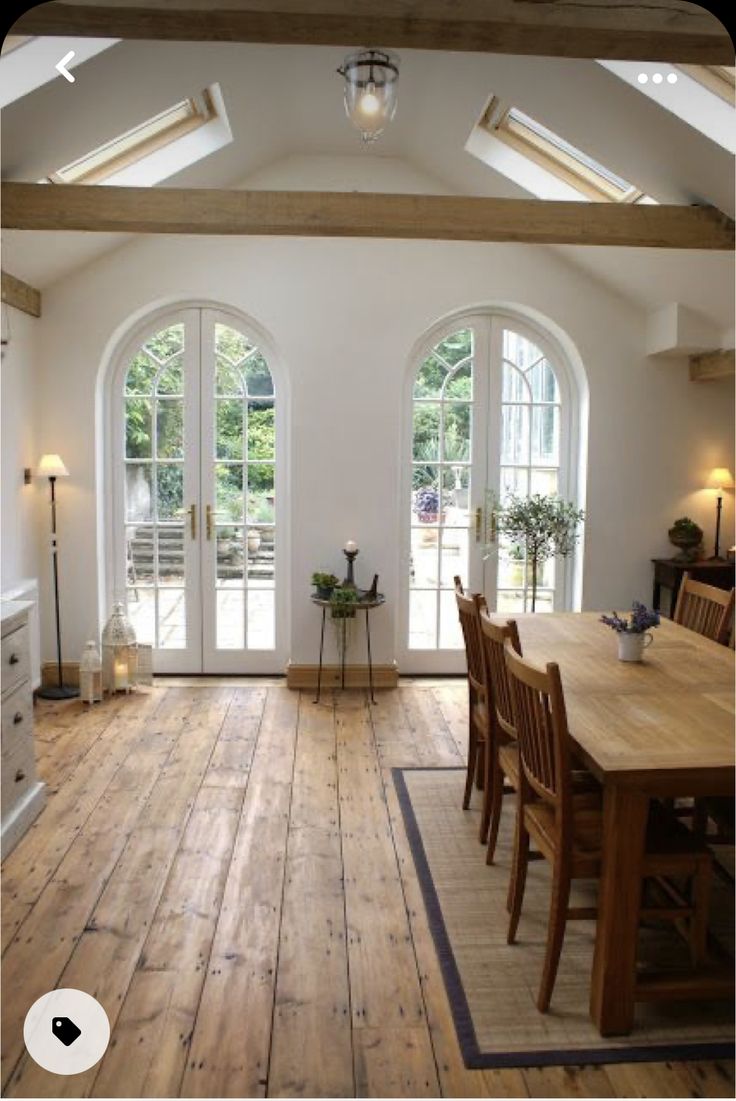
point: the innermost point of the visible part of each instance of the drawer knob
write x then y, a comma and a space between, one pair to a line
20, 775
17, 717
14, 659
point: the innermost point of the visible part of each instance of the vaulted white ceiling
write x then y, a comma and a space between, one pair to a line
284, 104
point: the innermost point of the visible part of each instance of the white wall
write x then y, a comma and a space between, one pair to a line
19, 502
344, 316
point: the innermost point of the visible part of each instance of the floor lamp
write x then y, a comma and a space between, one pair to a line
52, 467
719, 479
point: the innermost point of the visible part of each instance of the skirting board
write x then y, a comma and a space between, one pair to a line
20, 817
356, 676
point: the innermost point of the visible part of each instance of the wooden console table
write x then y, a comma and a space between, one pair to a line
668, 572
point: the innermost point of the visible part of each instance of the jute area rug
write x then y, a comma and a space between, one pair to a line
492, 986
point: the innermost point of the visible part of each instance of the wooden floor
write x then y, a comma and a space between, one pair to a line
225, 868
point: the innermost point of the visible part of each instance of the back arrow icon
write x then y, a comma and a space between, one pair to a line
61, 67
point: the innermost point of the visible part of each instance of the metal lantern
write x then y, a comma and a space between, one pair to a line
371, 90
90, 674
119, 653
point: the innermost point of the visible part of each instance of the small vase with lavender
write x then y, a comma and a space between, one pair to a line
633, 631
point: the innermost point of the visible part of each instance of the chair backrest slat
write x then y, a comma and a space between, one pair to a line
469, 606
541, 728
493, 639
705, 609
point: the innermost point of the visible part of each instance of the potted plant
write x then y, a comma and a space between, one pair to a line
342, 601
633, 631
324, 583
687, 537
542, 526
427, 504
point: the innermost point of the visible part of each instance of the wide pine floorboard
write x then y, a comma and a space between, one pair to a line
225, 867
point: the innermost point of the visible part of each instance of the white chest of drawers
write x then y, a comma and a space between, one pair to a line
23, 794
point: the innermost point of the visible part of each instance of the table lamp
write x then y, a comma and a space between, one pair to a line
720, 478
51, 467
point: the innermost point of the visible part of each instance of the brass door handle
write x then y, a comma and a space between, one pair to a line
191, 512
209, 515
478, 523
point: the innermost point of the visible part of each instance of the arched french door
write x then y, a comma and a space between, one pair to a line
492, 413
196, 430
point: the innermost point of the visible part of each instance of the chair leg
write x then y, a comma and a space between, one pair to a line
700, 890
518, 875
700, 819
480, 767
555, 933
472, 758
495, 804
485, 817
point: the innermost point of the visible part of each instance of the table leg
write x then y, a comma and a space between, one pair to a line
656, 594
370, 659
625, 812
321, 651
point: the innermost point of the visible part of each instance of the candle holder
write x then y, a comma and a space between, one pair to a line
349, 582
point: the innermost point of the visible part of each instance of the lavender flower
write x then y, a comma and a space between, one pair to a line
640, 619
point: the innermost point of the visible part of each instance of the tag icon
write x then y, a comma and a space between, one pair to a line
65, 1030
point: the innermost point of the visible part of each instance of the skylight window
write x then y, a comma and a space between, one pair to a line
564, 160
134, 145
719, 79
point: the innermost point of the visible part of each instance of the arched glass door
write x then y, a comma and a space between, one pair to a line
195, 500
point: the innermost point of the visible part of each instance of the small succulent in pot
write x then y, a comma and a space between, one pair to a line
324, 583
687, 537
342, 601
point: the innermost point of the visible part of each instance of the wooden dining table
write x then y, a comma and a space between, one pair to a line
660, 728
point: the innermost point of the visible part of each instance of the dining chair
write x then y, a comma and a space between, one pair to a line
567, 828
704, 609
469, 606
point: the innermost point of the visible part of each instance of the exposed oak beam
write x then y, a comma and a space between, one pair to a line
643, 30
19, 294
358, 214
713, 365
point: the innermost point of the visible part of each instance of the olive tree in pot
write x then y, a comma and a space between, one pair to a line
546, 527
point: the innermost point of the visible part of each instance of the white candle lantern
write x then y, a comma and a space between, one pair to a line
90, 674
119, 653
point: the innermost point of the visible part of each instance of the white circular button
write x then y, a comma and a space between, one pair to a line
66, 1031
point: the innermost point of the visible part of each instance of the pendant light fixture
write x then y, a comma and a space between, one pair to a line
371, 90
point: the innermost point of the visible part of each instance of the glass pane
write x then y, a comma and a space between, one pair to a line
138, 431
424, 565
451, 637
515, 434
138, 491
544, 482
460, 384
229, 493
545, 434
141, 375
455, 347
519, 350
545, 602
543, 382
139, 554
457, 433
170, 479
228, 379
229, 428
426, 432
172, 633
230, 556
261, 431
454, 556
260, 549
258, 381
514, 387
514, 480
166, 344
142, 614
231, 343
456, 495
170, 428
425, 502
430, 379
545, 575
510, 601
171, 379
230, 632
423, 620
170, 555
511, 570
261, 619
260, 493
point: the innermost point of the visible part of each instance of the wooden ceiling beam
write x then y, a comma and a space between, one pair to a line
93, 209
19, 294
642, 30
713, 365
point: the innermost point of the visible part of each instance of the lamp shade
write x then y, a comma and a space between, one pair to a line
51, 466
720, 478
371, 86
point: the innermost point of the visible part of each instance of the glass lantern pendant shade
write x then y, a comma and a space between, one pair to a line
371, 90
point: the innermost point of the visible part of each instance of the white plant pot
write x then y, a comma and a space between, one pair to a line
631, 646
